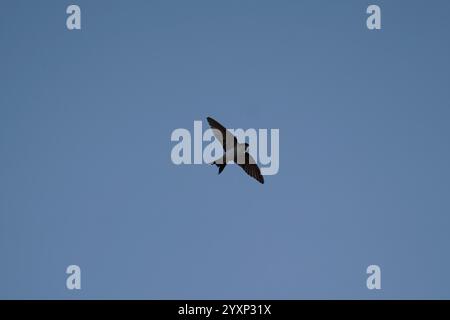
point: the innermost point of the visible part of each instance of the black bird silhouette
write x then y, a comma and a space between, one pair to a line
234, 151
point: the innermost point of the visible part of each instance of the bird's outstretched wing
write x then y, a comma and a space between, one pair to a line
225, 137
251, 168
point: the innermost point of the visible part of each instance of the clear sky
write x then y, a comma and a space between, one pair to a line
85, 170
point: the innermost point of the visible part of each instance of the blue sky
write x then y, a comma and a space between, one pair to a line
85, 170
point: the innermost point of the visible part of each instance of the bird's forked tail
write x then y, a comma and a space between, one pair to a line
220, 165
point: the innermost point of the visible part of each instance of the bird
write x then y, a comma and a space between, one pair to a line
234, 151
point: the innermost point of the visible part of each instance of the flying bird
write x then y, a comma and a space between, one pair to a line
234, 151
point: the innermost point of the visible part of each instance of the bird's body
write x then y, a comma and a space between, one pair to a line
234, 152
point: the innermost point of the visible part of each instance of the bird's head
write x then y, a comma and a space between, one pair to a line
246, 146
